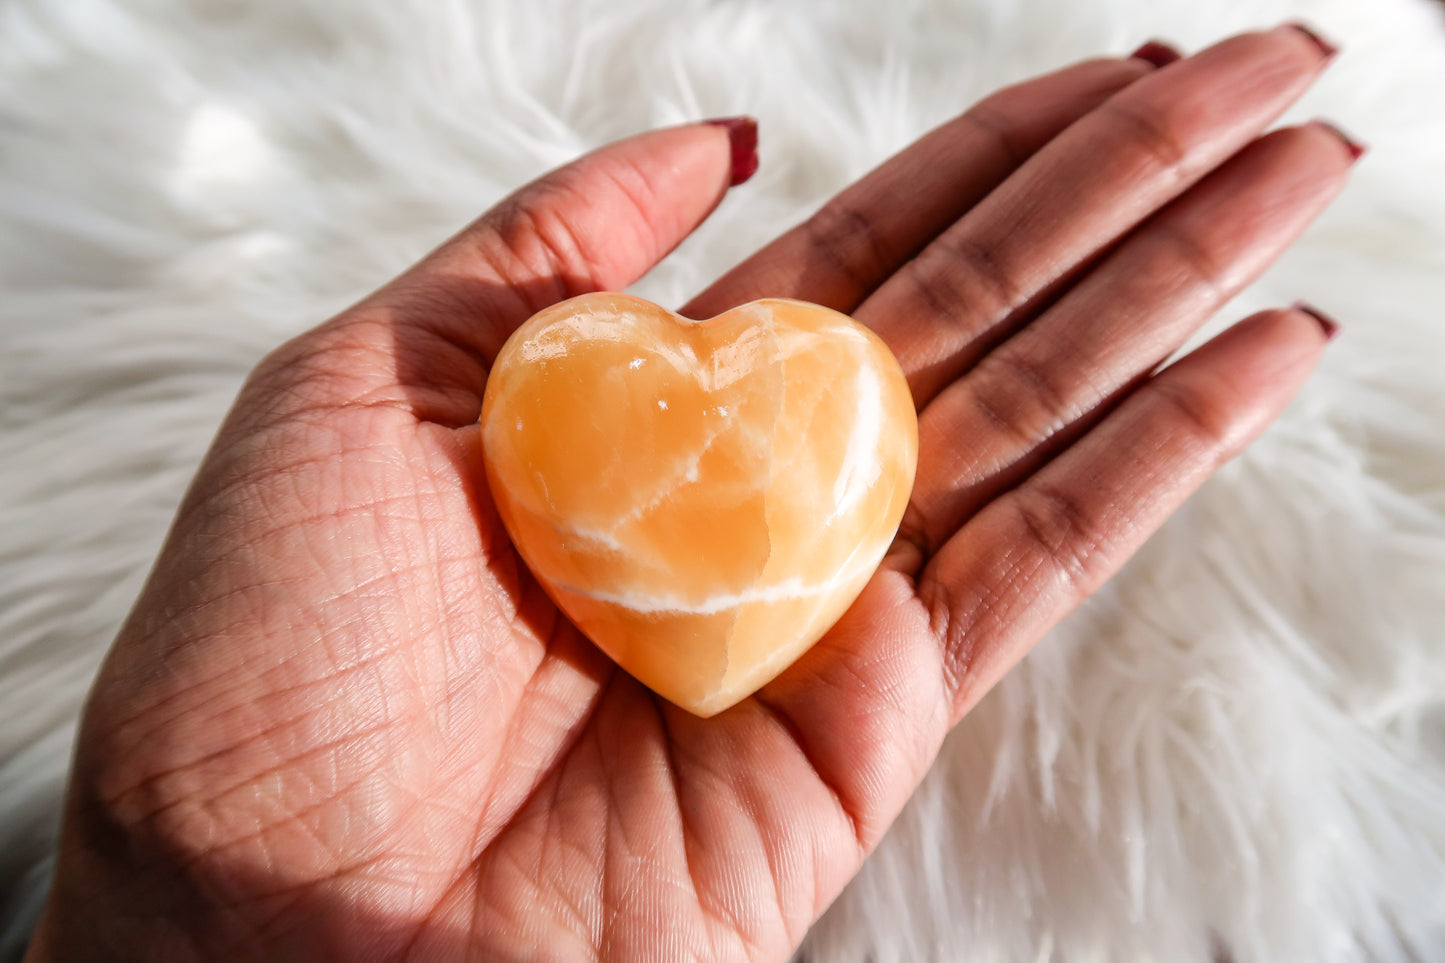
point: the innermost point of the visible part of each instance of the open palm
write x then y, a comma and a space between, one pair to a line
344, 721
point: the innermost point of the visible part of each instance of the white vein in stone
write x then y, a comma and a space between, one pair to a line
861, 466
793, 588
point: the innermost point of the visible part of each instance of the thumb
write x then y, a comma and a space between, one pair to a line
425, 340
596, 224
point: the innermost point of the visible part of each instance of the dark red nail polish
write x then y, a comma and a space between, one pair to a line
1356, 149
743, 137
1156, 52
1329, 324
1326, 48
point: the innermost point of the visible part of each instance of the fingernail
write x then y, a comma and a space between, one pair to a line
1329, 324
743, 138
1326, 48
1156, 52
1356, 149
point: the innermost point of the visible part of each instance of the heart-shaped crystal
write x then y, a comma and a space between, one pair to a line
703, 499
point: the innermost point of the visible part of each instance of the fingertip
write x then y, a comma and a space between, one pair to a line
1326, 49
1156, 52
1355, 147
1300, 330
1328, 325
742, 134
1276, 345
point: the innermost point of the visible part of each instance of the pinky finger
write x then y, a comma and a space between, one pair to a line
1034, 553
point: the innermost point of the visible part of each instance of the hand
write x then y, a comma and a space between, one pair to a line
343, 721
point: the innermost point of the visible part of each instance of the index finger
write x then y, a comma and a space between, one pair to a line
856, 240
1017, 250
872, 701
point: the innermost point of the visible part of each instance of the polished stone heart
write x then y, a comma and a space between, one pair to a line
703, 499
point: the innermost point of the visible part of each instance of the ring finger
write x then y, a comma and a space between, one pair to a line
1041, 388
842, 253
991, 272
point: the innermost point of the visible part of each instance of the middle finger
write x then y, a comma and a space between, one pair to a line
843, 252
993, 269
1032, 395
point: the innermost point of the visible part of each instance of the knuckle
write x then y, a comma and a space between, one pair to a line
936, 291
1202, 265
1150, 131
546, 244
1023, 392
976, 269
951, 624
988, 120
314, 372
913, 541
502, 227
1059, 529
285, 383
962, 621
633, 184
527, 238
641, 206
999, 412
850, 242
570, 232
1187, 410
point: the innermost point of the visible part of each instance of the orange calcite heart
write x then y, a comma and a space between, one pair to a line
703, 499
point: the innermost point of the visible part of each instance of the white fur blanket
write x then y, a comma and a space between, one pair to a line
1236, 751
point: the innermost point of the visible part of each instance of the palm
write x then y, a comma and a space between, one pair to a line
374, 733
432, 660
633, 802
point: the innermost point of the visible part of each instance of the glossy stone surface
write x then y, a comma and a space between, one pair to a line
703, 499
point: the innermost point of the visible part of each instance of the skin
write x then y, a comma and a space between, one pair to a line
343, 721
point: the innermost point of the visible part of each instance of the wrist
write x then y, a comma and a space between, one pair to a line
39, 950
107, 901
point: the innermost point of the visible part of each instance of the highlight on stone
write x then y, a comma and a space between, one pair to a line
704, 499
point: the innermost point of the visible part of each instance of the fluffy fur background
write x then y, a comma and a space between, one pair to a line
1237, 750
